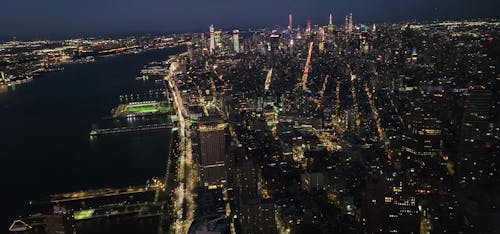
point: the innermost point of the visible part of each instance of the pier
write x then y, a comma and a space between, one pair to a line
122, 130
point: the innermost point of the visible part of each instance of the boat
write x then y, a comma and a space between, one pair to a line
19, 226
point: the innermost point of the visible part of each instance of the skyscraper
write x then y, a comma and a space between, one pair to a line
236, 40
203, 41
290, 23
389, 206
212, 39
274, 42
321, 34
254, 213
308, 28
218, 40
422, 138
330, 25
212, 151
350, 25
477, 159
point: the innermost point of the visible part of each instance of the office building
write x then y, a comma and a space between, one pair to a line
212, 39
477, 159
422, 138
236, 40
212, 151
389, 206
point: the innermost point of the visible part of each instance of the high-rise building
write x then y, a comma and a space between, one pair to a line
203, 41
212, 39
255, 214
290, 26
389, 206
414, 54
350, 25
236, 40
346, 23
274, 42
477, 113
210, 224
212, 151
477, 158
218, 39
422, 138
321, 34
330, 25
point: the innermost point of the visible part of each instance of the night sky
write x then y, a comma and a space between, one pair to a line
35, 17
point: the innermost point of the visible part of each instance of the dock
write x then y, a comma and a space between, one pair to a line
122, 130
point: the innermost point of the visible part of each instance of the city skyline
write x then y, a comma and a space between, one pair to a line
26, 18
249, 117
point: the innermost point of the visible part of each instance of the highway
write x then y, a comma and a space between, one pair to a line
183, 204
354, 95
306, 67
378, 123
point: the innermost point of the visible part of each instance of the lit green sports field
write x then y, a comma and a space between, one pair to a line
146, 108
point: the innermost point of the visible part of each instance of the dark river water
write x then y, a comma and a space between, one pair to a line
45, 146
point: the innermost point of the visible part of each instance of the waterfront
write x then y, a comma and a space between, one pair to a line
45, 127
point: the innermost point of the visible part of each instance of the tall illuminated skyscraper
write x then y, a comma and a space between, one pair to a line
308, 28
330, 25
346, 23
350, 26
350, 23
290, 21
218, 39
212, 39
236, 40
203, 41
321, 34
